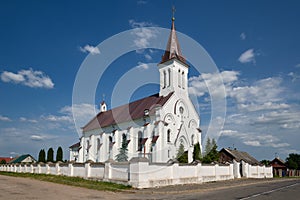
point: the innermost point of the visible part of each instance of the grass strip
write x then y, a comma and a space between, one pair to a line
72, 181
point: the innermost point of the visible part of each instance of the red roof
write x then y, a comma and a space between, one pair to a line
127, 112
173, 48
75, 145
7, 159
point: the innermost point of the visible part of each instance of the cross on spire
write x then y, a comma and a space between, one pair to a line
173, 12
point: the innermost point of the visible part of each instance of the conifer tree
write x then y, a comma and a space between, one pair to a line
182, 156
42, 156
197, 152
122, 155
50, 155
59, 154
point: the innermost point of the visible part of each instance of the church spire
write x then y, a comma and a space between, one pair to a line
173, 48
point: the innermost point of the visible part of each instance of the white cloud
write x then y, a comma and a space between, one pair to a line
243, 36
143, 66
247, 56
294, 76
30, 78
256, 140
297, 66
37, 137
135, 24
90, 49
24, 119
216, 82
261, 91
6, 119
143, 34
148, 56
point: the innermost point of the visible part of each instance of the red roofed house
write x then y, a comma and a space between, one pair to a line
279, 167
154, 126
4, 160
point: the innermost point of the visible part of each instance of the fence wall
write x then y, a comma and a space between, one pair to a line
141, 174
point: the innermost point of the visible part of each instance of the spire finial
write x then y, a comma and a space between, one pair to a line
173, 13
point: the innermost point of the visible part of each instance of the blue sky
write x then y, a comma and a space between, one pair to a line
255, 45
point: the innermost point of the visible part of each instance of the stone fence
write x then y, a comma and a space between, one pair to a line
139, 173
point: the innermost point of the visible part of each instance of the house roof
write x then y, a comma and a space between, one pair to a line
75, 145
240, 155
173, 49
278, 163
127, 112
20, 158
6, 159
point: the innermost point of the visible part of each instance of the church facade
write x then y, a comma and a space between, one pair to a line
153, 127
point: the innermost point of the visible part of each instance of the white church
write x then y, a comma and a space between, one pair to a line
154, 127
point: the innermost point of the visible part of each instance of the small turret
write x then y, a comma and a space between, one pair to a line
103, 106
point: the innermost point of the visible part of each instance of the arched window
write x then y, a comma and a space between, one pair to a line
192, 139
169, 77
165, 80
98, 144
183, 80
124, 139
179, 78
169, 135
140, 139
87, 146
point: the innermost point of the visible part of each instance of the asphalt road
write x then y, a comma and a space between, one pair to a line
14, 188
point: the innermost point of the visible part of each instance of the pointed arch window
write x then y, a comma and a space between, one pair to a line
169, 135
169, 77
140, 140
179, 78
183, 80
192, 139
165, 79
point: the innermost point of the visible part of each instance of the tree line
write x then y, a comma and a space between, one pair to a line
50, 155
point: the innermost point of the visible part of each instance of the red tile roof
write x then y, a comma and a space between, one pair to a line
127, 112
6, 159
75, 145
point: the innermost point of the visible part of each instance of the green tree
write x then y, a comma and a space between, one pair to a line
265, 162
59, 154
182, 156
122, 155
50, 155
208, 146
2, 162
42, 156
293, 161
213, 154
197, 152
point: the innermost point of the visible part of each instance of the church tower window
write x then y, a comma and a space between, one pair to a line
169, 77
165, 80
179, 78
183, 80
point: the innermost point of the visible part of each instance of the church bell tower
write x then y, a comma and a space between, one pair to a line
173, 68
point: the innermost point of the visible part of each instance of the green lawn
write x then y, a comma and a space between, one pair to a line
73, 181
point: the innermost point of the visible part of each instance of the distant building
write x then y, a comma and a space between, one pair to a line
27, 158
74, 150
5, 159
228, 155
279, 167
